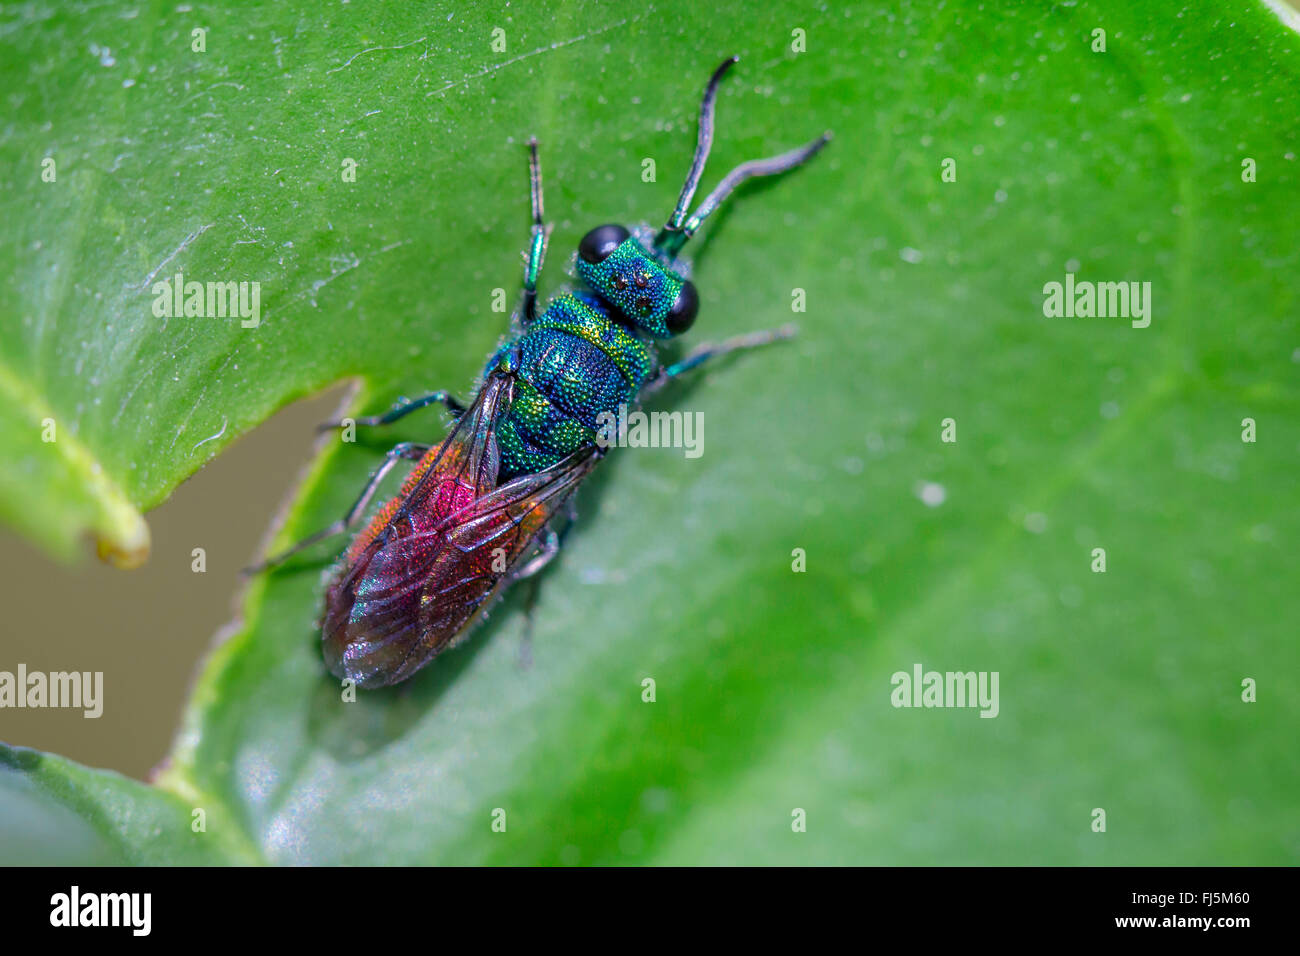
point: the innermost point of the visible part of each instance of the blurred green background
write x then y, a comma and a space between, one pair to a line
1119, 691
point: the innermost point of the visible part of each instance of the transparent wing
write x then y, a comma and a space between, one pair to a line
374, 585
464, 467
408, 596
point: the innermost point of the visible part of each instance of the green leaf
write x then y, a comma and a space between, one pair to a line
925, 301
58, 812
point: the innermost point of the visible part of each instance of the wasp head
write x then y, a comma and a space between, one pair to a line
616, 266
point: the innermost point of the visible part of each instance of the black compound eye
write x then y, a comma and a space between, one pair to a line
600, 242
682, 315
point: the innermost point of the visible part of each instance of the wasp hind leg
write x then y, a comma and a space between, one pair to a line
406, 451
401, 410
548, 550
713, 350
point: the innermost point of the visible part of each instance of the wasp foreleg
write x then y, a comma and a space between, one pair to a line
537, 245
401, 410
711, 350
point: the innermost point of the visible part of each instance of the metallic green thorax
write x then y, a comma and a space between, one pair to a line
576, 360
591, 351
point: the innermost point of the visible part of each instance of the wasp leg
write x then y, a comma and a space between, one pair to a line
407, 450
537, 246
401, 410
549, 550
708, 351
550, 547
